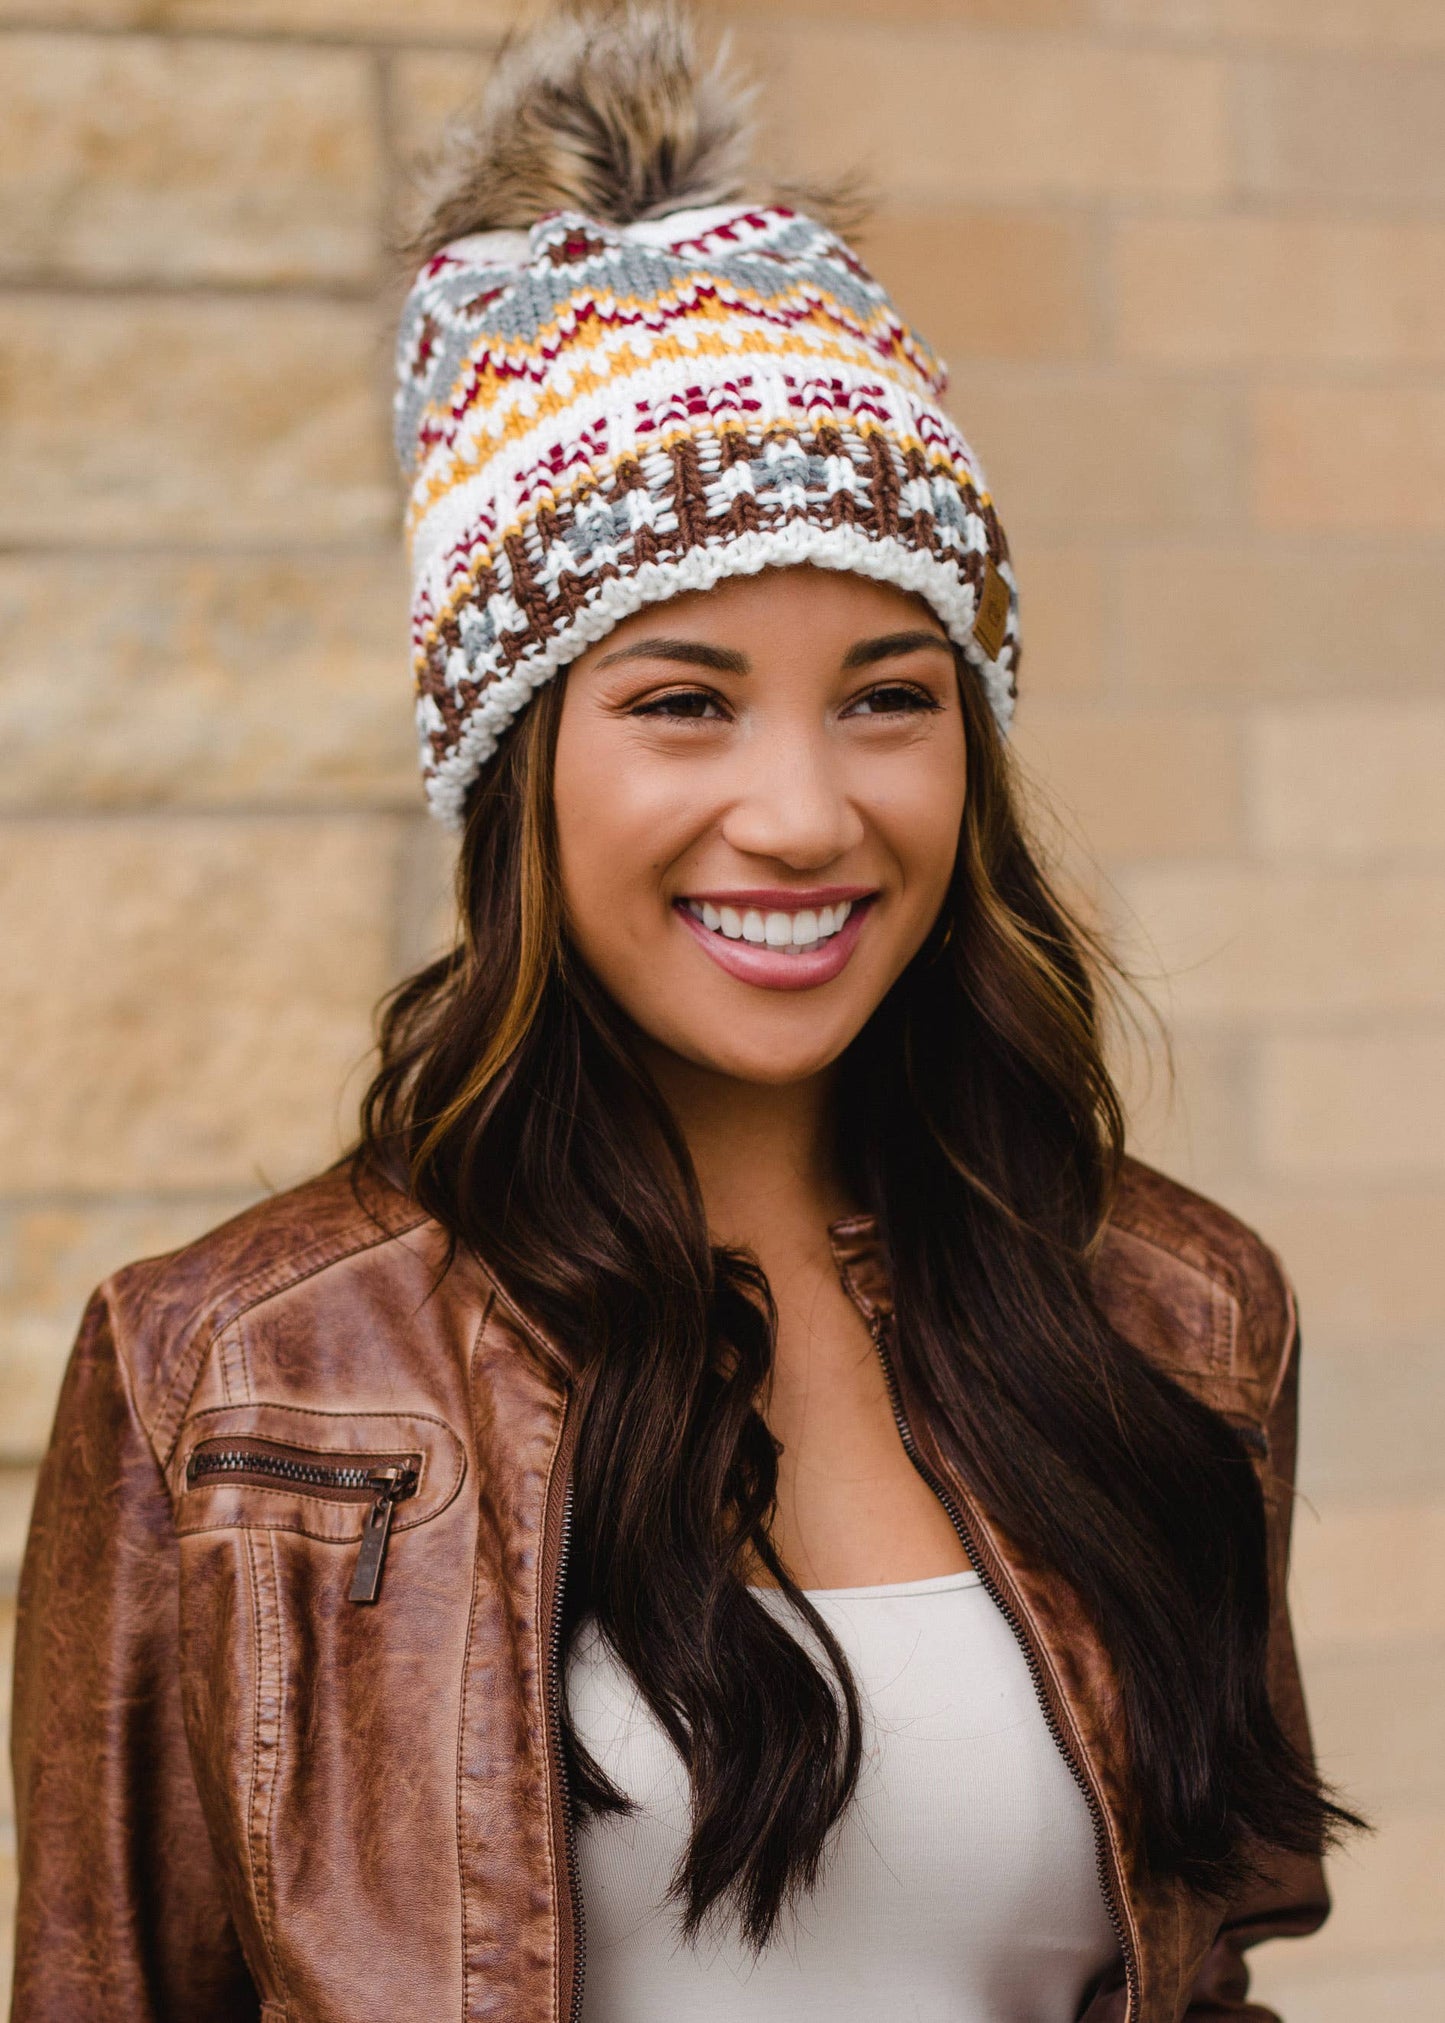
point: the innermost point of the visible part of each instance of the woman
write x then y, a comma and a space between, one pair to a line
737, 1462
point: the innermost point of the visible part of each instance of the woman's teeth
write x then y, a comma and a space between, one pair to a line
791, 932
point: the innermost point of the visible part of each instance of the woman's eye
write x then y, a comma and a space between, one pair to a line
687, 704
893, 698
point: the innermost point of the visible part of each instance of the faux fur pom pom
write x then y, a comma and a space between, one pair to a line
606, 108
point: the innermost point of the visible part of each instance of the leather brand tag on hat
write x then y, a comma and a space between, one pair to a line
991, 618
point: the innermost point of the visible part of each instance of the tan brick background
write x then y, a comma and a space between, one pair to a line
1187, 259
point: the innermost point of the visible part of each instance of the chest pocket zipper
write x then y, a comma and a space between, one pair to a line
382, 1480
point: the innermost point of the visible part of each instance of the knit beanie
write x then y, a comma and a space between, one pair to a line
618, 380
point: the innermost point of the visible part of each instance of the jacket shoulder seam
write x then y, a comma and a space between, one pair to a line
1269, 1358
1219, 1285
181, 1371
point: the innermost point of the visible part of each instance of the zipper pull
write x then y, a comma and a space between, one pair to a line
391, 1485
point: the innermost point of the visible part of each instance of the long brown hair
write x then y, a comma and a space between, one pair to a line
979, 1123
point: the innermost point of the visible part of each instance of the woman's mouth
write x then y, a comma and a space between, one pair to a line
773, 947
790, 932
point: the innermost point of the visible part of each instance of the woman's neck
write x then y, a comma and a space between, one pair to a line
765, 1156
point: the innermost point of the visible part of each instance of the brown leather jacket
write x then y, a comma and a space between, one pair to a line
242, 1795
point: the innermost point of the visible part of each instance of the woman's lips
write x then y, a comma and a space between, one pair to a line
777, 968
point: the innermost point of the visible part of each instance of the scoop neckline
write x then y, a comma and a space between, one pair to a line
898, 1590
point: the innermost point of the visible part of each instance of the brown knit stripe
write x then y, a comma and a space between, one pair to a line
881, 446
878, 513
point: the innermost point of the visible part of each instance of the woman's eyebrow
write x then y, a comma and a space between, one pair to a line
691, 652
890, 645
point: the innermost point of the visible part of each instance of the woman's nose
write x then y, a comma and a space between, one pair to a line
789, 802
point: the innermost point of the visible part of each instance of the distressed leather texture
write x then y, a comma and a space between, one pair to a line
241, 1796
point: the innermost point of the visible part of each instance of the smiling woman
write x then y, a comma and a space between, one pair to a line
738, 1460
807, 796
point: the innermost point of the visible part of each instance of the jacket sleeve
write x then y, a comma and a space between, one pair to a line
121, 1917
1289, 1898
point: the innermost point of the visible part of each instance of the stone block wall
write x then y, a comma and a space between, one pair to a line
1187, 261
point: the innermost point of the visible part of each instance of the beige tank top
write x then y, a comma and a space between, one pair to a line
962, 1883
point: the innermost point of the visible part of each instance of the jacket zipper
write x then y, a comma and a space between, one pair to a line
1102, 1855
563, 1811
384, 1479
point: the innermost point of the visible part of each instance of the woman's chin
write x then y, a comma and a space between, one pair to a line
764, 1060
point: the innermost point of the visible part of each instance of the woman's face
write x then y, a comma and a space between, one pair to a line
758, 796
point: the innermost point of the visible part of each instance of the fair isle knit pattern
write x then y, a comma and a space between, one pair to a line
593, 418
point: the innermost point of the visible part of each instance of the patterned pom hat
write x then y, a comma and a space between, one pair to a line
597, 417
